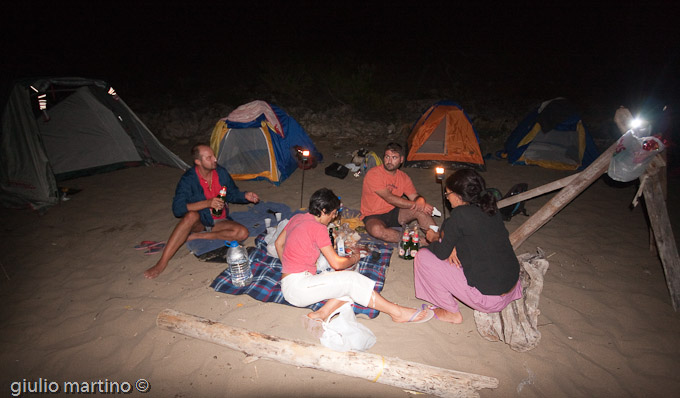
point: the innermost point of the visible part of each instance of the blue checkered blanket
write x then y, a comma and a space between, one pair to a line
267, 274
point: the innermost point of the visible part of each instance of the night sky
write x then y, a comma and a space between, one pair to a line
626, 49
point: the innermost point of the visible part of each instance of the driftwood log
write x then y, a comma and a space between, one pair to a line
663, 234
408, 375
517, 324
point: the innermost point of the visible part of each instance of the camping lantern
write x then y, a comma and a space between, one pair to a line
305, 156
439, 171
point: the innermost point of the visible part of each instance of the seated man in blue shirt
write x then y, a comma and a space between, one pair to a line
195, 198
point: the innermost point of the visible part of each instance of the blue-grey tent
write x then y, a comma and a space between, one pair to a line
552, 136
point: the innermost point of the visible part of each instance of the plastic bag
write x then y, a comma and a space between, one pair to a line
342, 332
272, 235
633, 153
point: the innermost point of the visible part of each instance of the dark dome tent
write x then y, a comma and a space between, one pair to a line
54, 129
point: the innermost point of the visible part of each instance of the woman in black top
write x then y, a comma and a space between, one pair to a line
471, 259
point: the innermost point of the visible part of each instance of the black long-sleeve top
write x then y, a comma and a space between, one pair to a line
483, 247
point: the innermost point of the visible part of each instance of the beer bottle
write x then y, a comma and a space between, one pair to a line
222, 195
416, 244
404, 242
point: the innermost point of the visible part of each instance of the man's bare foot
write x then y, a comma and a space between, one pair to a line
447, 316
154, 271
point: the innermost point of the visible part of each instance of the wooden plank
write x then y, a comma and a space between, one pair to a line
562, 198
532, 193
408, 375
663, 233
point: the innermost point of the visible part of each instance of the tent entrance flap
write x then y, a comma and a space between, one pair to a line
246, 153
554, 148
75, 139
436, 142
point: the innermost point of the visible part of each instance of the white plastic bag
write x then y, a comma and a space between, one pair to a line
272, 234
322, 265
342, 332
633, 154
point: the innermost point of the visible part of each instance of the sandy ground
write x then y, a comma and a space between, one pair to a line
77, 308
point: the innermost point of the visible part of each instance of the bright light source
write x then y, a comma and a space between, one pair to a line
305, 153
636, 122
439, 173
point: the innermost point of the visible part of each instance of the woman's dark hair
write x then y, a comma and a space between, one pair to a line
470, 186
323, 200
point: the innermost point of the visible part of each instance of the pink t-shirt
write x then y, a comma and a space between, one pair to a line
304, 239
377, 179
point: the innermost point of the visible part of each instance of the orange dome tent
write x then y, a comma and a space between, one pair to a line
444, 136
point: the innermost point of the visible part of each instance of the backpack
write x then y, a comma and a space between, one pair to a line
509, 211
370, 161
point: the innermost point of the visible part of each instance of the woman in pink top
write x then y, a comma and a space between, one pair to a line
298, 247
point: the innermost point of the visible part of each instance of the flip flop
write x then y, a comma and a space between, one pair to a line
430, 307
155, 248
427, 317
145, 244
313, 326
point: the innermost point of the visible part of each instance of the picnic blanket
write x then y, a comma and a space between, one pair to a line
267, 274
253, 219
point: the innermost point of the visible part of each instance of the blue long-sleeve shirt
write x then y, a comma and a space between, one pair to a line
189, 190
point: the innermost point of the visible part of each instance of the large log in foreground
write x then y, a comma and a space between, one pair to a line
376, 368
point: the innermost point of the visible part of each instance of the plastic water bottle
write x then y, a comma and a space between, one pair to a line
341, 247
239, 264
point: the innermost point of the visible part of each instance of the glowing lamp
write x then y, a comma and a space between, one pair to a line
439, 173
635, 123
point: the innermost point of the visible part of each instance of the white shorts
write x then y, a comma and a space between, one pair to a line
303, 288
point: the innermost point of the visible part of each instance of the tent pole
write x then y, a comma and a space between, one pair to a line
302, 187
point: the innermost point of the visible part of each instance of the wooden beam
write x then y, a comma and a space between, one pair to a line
562, 198
663, 233
658, 165
376, 368
532, 193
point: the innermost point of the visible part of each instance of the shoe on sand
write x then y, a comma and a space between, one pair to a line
146, 244
313, 326
431, 307
427, 317
158, 247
